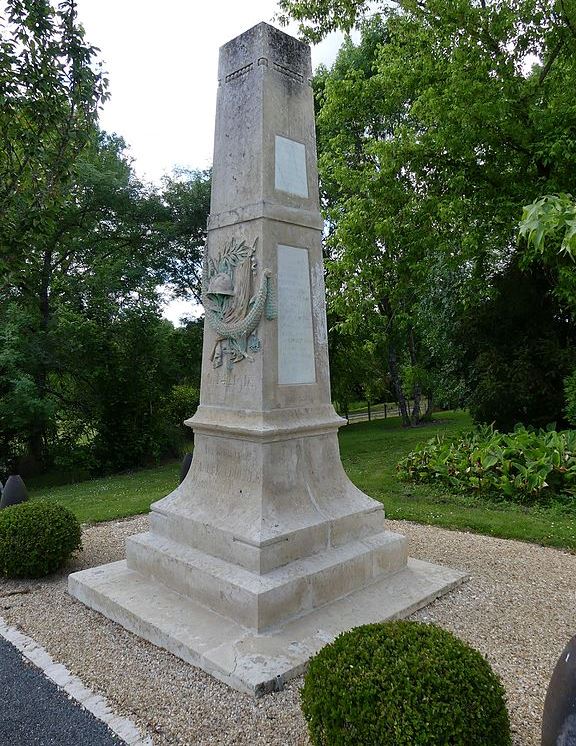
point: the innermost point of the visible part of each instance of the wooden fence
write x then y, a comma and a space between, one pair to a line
381, 411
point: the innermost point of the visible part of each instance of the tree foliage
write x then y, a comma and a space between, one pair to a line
91, 376
186, 195
51, 86
434, 130
88, 367
516, 348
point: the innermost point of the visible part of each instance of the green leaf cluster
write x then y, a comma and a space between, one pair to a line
37, 538
553, 214
548, 226
525, 466
51, 88
434, 128
403, 684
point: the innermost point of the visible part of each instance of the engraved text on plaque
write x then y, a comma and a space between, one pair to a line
295, 334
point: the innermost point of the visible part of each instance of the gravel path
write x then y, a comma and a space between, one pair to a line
518, 609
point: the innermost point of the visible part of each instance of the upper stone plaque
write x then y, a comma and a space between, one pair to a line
290, 167
264, 142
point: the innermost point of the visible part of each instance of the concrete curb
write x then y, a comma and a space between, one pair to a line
74, 688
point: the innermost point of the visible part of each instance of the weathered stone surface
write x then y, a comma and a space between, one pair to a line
266, 550
559, 719
252, 662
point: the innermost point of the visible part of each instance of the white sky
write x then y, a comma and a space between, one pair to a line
162, 63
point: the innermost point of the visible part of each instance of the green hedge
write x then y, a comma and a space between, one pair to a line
37, 538
525, 466
403, 684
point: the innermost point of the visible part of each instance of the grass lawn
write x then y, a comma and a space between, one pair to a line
116, 496
370, 452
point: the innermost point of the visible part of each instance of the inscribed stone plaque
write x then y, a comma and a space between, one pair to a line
290, 167
295, 336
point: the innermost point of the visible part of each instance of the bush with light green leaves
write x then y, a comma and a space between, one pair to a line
525, 466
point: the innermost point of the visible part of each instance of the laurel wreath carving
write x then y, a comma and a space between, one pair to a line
236, 323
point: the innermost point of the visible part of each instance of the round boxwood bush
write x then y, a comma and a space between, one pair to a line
36, 539
403, 684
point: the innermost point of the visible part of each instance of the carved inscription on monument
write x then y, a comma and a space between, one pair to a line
295, 334
290, 167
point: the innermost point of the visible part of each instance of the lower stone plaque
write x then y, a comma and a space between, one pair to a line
295, 333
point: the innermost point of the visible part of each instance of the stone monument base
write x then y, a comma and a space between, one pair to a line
250, 661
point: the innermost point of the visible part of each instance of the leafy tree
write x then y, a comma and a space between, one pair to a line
88, 363
93, 255
186, 195
433, 131
130, 421
548, 226
51, 87
517, 348
355, 373
89, 372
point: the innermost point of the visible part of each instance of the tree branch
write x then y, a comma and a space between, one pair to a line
551, 60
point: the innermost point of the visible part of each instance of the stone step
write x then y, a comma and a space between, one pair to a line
272, 547
260, 601
251, 662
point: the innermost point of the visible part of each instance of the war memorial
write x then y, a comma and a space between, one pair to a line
266, 551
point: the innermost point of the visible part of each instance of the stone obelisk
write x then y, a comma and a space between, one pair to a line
266, 551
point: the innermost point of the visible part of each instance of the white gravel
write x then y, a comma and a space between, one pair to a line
518, 609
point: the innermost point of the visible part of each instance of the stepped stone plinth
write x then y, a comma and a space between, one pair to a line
266, 551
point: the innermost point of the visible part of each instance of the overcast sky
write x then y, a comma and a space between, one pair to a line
162, 63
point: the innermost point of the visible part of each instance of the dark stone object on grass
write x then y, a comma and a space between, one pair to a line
14, 492
559, 719
186, 461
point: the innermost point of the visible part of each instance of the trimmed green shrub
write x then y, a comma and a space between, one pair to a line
525, 466
36, 538
403, 684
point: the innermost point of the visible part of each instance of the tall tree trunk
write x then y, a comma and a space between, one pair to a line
416, 390
37, 437
396, 383
417, 394
429, 405
386, 311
